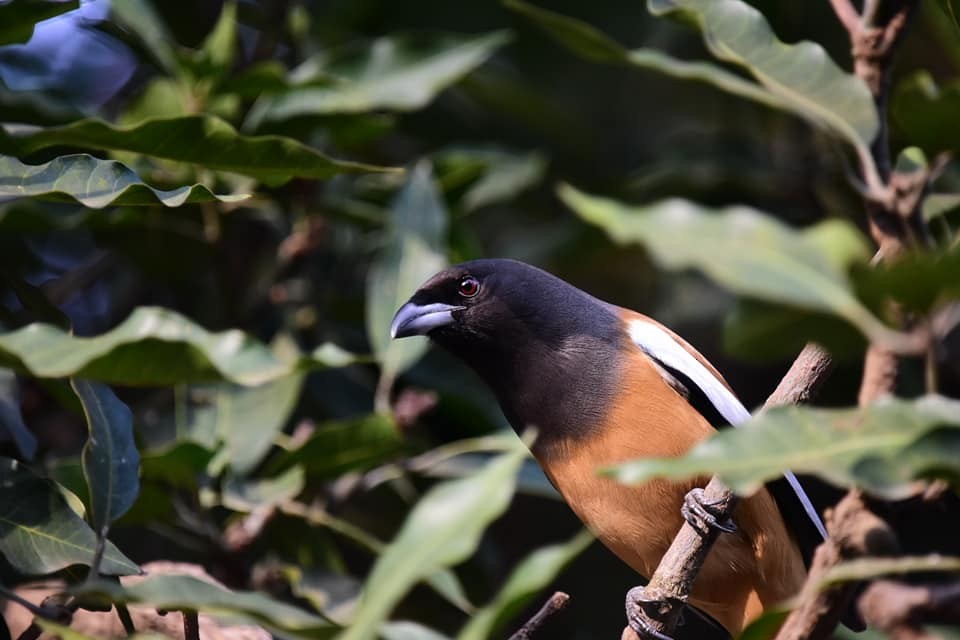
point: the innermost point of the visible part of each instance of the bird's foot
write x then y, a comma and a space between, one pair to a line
640, 608
701, 514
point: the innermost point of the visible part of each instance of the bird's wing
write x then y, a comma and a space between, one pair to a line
706, 390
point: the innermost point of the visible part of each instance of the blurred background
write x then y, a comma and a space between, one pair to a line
494, 115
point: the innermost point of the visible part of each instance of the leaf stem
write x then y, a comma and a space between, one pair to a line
125, 618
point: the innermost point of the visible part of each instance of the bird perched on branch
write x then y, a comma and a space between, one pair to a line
603, 385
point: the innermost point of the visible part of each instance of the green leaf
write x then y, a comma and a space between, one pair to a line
186, 593
40, 534
882, 448
592, 44
926, 113
94, 183
11, 420
443, 529
17, 18
154, 346
394, 73
742, 249
801, 74
204, 140
919, 281
529, 577
110, 459
338, 447
140, 18
415, 250
220, 46
249, 418
799, 79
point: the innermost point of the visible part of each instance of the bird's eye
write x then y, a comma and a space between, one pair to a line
468, 287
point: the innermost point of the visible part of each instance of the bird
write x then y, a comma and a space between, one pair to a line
603, 384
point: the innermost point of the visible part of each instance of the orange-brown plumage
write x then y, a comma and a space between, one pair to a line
755, 568
604, 385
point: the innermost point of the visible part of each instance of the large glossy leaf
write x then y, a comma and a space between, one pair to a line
395, 73
415, 250
186, 593
203, 140
154, 346
111, 462
529, 577
17, 18
11, 420
443, 529
800, 78
592, 44
926, 113
40, 534
740, 248
882, 448
801, 74
94, 183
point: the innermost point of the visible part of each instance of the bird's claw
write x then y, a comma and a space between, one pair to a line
700, 514
640, 607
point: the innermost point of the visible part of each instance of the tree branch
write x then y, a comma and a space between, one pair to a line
854, 532
673, 580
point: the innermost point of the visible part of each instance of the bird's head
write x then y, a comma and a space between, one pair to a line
464, 305
498, 308
528, 334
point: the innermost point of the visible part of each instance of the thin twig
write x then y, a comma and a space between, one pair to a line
47, 613
847, 14
98, 554
555, 603
125, 618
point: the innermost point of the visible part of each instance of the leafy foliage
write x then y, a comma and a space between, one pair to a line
216, 208
205, 140
153, 346
110, 457
94, 183
186, 593
392, 73
443, 529
882, 448
40, 533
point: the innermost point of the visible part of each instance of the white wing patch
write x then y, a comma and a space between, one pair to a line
661, 346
